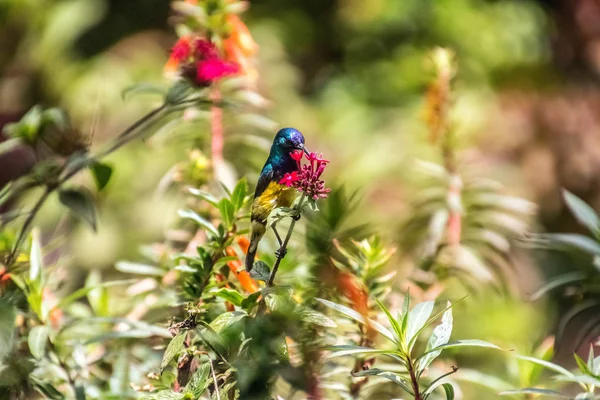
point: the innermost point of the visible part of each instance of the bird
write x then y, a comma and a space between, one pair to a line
269, 193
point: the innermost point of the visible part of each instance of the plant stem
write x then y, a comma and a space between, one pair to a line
26, 225
65, 368
283, 249
414, 379
123, 138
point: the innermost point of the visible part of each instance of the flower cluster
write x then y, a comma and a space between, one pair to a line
308, 177
199, 61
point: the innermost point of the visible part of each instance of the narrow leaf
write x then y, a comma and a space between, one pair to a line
543, 392
417, 317
137, 268
440, 336
189, 214
460, 343
582, 212
359, 318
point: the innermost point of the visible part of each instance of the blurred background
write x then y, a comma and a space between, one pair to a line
351, 75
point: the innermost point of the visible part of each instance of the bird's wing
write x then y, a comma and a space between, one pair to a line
266, 176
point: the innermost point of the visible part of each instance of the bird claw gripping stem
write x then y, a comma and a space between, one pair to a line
280, 253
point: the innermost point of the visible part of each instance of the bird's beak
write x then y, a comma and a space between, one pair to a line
305, 150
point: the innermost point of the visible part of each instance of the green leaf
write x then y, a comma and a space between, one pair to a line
36, 261
439, 381
101, 173
174, 347
582, 212
347, 350
189, 214
64, 302
394, 377
81, 203
395, 325
9, 145
581, 242
557, 282
230, 295
224, 321
547, 364
199, 381
405, 308
177, 92
278, 214
209, 198
581, 379
449, 390
137, 268
417, 317
38, 337
142, 88
315, 317
260, 271
440, 336
165, 395
45, 388
583, 367
359, 318
227, 211
459, 343
8, 315
543, 392
223, 261
239, 194
251, 300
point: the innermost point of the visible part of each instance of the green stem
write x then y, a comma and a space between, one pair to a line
282, 250
123, 138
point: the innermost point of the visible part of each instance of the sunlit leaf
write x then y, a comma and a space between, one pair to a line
230, 295
189, 214
359, 318
542, 392
38, 337
227, 211
582, 212
314, 317
260, 271
174, 347
199, 381
417, 317
440, 336
239, 194
137, 268
398, 379
459, 343
227, 319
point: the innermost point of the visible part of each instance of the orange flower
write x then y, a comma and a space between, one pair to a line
55, 314
240, 46
248, 284
355, 291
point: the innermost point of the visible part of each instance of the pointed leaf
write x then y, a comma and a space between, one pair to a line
582, 212
173, 348
80, 203
227, 212
189, 214
359, 318
459, 343
38, 337
230, 295
224, 321
209, 198
314, 317
199, 381
137, 268
101, 173
260, 271
398, 379
239, 194
440, 336
417, 317
542, 392
36, 261
393, 322
347, 350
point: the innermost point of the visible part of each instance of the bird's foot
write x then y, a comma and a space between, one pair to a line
280, 253
296, 217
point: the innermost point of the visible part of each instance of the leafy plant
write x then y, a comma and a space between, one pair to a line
404, 333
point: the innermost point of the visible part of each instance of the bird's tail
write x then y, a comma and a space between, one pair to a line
258, 230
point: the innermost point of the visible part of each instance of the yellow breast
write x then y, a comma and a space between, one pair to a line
275, 195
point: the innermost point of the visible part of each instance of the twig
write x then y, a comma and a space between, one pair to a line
212, 370
26, 225
414, 380
64, 366
283, 249
124, 138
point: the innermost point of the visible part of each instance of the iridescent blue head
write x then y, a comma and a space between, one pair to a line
286, 141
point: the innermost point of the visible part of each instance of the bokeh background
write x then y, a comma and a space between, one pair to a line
351, 75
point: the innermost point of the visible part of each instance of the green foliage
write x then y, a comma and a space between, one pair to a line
406, 330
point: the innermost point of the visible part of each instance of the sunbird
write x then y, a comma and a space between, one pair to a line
269, 193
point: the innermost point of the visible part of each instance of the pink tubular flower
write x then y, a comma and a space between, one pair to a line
289, 180
308, 177
211, 70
